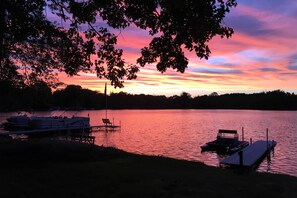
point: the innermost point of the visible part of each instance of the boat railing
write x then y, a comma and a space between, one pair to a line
227, 131
227, 135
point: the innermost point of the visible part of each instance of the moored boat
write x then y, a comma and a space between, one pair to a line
36, 125
227, 141
58, 122
19, 122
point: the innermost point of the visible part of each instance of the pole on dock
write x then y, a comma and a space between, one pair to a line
242, 136
267, 139
120, 125
251, 141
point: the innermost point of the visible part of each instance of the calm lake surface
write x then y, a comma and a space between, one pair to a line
180, 133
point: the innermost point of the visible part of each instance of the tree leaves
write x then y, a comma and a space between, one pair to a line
32, 39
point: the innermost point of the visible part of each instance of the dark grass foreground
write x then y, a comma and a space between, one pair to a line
47, 168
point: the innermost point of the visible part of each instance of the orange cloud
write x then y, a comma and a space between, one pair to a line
261, 55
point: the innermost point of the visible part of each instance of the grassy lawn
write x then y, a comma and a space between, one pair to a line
51, 168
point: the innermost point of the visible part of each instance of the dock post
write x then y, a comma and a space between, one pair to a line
272, 149
113, 124
242, 136
240, 153
267, 139
120, 125
251, 141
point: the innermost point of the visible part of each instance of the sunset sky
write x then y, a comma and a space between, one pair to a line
260, 56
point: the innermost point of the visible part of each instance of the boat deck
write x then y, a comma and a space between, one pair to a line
28, 132
63, 129
251, 154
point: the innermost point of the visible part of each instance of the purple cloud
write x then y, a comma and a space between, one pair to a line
269, 69
292, 67
281, 6
251, 25
217, 71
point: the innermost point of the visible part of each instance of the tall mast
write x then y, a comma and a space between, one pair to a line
105, 93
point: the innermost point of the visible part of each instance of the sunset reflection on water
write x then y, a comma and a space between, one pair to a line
180, 133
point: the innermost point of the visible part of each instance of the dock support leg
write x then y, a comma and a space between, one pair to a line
268, 148
240, 153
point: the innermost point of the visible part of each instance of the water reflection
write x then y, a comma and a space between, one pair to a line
180, 133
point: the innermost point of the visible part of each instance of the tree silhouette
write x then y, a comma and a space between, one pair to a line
39, 38
214, 94
38, 96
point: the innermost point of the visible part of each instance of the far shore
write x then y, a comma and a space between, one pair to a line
55, 168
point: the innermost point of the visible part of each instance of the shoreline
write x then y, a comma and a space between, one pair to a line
123, 109
48, 168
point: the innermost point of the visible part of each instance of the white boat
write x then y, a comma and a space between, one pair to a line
24, 124
226, 142
19, 122
58, 122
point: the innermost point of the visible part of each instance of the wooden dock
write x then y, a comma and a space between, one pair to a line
250, 156
83, 139
105, 128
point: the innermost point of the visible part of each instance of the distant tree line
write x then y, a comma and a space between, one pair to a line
40, 97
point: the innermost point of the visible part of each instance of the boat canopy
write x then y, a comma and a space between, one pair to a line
227, 131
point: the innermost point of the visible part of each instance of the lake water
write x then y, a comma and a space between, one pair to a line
180, 133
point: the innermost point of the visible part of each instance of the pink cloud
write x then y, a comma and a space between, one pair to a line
257, 57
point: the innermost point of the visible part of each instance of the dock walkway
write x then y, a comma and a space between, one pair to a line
251, 155
83, 139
